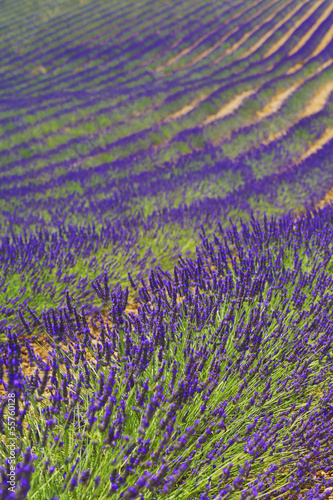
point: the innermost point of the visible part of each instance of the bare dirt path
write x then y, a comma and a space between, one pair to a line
319, 101
42, 348
316, 104
186, 109
186, 51
324, 139
277, 26
297, 24
229, 108
207, 52
247, 35
310, 32
328, 198
321, 46
278, 100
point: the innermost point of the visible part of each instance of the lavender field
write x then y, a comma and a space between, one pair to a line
166, 177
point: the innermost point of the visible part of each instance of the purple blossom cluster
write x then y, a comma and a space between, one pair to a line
219, 387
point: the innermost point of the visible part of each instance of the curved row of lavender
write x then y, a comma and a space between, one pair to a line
38, 266
218, 388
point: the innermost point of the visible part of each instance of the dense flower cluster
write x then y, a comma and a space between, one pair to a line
219, 387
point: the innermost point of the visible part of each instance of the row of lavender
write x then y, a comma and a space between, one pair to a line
219, 388
38, 266
280, 61
204, 17
64, 181
188, 40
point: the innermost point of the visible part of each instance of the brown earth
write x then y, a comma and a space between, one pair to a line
297, 24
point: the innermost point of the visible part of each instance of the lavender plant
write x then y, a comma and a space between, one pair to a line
219, 387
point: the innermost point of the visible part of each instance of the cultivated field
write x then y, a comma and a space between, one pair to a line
166, 173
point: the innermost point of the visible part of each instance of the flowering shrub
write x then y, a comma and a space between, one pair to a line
219, 387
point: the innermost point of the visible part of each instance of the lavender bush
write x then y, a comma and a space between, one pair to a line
219, 387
